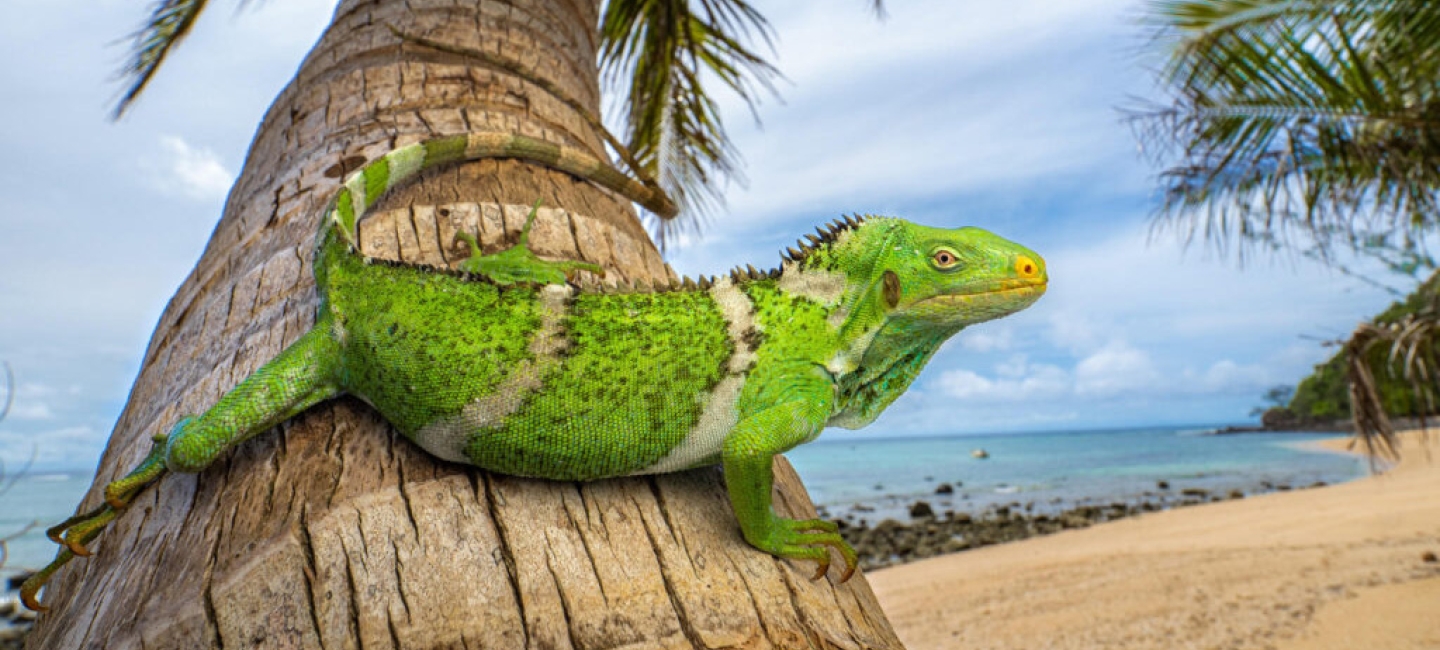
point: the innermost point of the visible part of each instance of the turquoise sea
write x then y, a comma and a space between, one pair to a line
1049, 471
1052, 471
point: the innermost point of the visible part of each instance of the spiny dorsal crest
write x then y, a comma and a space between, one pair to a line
825, 235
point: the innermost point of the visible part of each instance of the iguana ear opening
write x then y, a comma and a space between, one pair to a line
890, 289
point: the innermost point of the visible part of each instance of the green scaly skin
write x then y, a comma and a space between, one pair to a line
507, 367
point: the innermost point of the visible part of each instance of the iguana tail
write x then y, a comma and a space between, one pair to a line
364, 187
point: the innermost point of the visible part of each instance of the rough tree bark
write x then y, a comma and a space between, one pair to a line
332, 531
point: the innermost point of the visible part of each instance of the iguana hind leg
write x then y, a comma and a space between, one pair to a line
518, 263
296, 379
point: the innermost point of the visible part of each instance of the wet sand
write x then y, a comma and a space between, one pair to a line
1336, 567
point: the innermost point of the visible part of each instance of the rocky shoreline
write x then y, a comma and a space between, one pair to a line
927, 533
15, 620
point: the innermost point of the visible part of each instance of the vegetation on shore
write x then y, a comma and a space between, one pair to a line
1324, 396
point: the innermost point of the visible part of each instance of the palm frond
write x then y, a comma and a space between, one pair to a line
1406, 348
659, 53
1297, 117
170, 21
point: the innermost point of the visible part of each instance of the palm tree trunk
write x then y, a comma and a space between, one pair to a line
334, 532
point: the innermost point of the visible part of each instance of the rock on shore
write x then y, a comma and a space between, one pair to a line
927, 534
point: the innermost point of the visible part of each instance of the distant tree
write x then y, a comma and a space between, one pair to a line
1307, 125
1275, 397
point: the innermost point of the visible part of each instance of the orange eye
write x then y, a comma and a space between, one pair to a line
944, 259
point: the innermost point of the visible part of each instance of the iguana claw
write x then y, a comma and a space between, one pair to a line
72, 533
812, 539
77, 531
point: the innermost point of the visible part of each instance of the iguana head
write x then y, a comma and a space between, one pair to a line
951, 278
906, 289
927, 278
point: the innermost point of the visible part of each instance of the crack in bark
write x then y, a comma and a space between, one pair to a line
398, 565
560, 588
354, 591
403, 486
161, 546
834, 592
212, 620
686, 626
806, 625
307, 549
654, 483
394, 634
505, 554
584, 541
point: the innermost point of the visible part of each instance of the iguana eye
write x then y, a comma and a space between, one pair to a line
944, 259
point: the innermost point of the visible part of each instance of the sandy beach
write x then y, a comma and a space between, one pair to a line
1343, 567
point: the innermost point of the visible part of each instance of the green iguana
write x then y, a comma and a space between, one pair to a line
515, 370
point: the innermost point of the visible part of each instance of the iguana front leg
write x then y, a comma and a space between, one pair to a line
748, 457
296, 379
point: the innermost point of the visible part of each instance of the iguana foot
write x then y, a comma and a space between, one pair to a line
518, 263
810, 539
32, 585
74, 533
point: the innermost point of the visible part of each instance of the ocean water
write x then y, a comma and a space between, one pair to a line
1050, 471
1056, 470
37, 501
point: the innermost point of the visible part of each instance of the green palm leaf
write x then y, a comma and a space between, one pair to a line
658, 53
1316, 118
170, 21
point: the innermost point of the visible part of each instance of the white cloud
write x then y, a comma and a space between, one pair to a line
30, 410
31, 403
1016, 380
989, 339
1115, 369
192, 172
51, 448
905, 110
1071, 331
1229, 377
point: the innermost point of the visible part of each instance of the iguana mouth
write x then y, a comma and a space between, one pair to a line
992, 289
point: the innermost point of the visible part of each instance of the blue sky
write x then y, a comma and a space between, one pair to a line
999, 115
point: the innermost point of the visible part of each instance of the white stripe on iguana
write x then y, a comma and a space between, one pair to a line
707, 438
405, 162
823, 287
739, 315
828, 289
356, 185
447, 438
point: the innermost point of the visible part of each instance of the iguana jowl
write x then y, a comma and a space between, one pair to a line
517, 371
